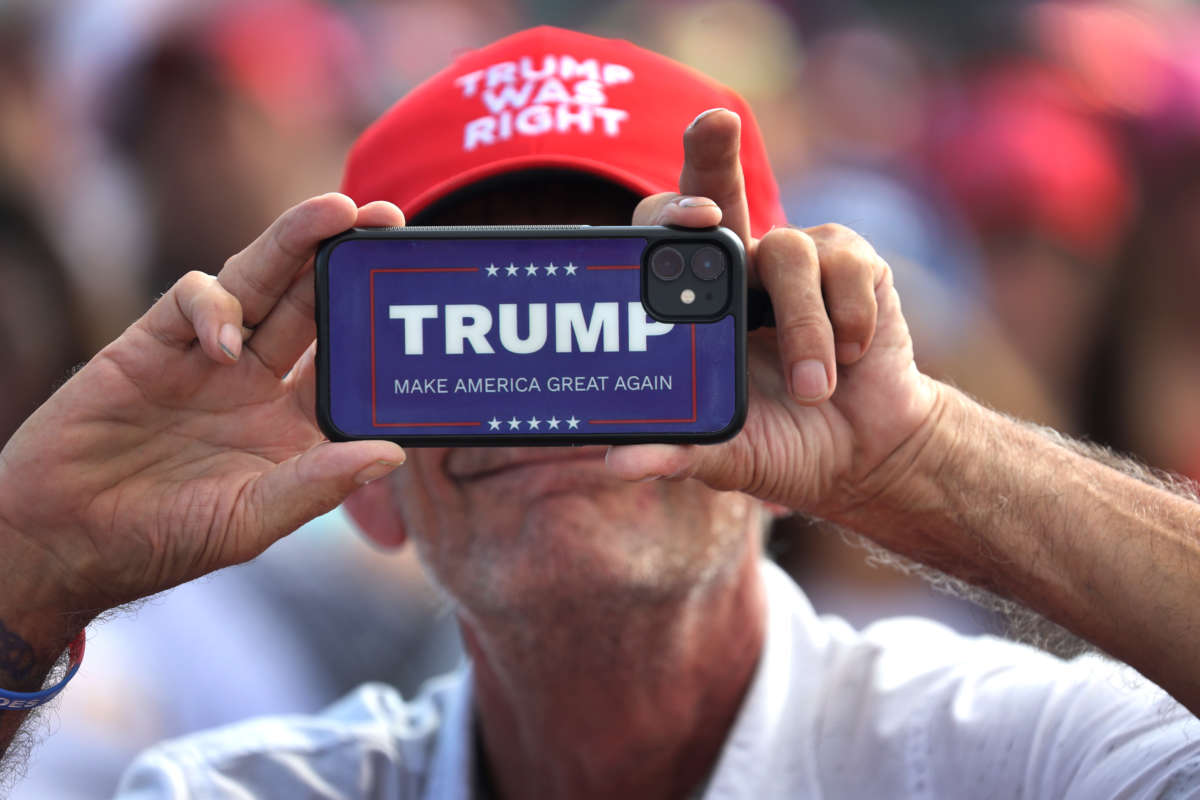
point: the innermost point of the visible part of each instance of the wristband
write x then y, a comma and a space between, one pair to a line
13, 701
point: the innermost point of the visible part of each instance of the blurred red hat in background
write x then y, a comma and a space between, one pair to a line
300, 60
1018, 153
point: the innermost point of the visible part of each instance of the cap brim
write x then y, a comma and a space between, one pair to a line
567, 163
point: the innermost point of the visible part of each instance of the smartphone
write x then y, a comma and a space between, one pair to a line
531, 335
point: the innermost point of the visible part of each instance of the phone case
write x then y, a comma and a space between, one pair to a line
521, 336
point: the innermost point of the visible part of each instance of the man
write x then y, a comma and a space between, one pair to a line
626, 638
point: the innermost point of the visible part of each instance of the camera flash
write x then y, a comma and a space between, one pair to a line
687, 297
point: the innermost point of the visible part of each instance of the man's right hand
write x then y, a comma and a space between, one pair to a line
179, 449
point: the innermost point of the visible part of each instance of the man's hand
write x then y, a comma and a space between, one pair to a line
180, 449
841, 424
834, 392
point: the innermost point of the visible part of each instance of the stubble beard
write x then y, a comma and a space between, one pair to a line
594, 555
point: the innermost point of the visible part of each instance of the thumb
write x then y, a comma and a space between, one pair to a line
646, 462
723, 467
314, 482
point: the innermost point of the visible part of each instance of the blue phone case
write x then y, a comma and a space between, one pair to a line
521, 336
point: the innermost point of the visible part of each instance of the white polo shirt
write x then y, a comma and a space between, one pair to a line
904, 709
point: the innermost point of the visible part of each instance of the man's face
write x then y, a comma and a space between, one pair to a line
529, 531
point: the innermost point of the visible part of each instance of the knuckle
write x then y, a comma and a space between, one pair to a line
864, 252
231, 263
833, 232
804, 328
206, 299
283, 233
886, 276
774, 237
851, 315
850, 265
843, 246
191, 293
226, 302
193, 281
304, 302
255, 283
787, 248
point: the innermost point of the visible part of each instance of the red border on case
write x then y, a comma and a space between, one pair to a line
374, 416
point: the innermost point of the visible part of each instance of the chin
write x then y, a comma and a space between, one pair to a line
571, 549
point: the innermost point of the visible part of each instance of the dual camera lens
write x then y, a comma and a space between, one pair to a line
688, 277
707, 263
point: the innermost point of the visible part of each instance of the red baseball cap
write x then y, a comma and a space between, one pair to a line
548, 98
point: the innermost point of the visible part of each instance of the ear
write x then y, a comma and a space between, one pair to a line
373, 509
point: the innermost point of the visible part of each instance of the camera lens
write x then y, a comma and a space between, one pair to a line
708, 263
666, 263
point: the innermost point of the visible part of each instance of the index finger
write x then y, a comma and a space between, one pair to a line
282, 335
259, 275
712, 167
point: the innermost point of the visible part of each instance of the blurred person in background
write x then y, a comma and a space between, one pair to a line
52, 163
1144, 388
867, 95
405, 43
1138, 65
1049, 194
40, 330
1081, 174
229, 115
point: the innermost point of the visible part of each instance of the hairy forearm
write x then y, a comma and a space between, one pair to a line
29, 650
34, 627
1104, 549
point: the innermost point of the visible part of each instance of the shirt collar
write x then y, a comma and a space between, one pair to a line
782, 700
452, 774
780, 706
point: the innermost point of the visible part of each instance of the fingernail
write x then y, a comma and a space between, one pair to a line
809, 381
230, 340
702, 115
374, 472
694, 202
648, 478
848, 351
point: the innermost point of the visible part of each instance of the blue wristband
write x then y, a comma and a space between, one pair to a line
22, 701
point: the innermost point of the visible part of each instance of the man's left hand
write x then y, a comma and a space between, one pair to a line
836, 404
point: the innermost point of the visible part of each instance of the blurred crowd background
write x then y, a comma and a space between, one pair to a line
1030, 169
